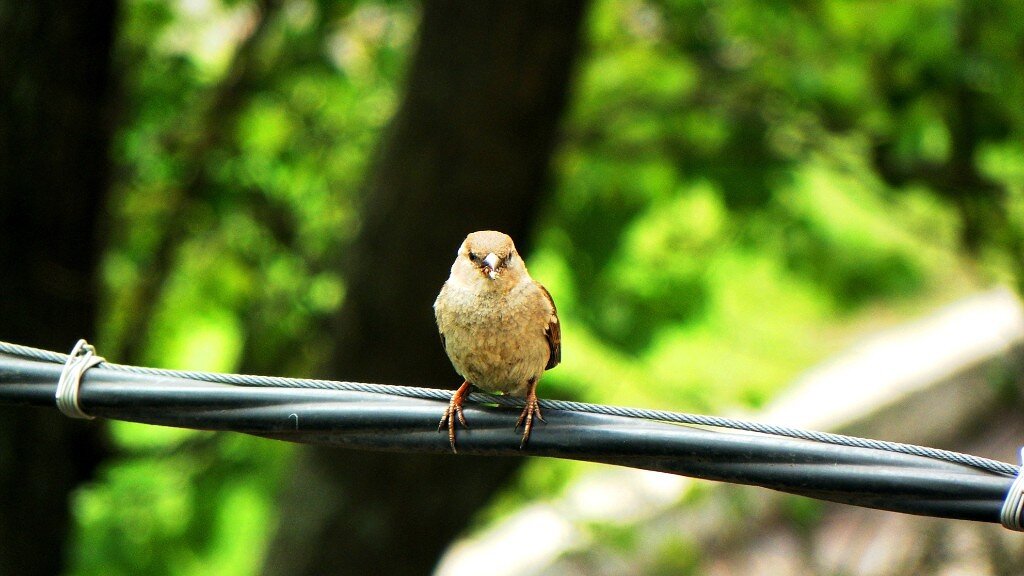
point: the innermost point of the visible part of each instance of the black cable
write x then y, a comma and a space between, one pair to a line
483, 398
367, 420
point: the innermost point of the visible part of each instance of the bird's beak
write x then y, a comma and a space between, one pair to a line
490, 265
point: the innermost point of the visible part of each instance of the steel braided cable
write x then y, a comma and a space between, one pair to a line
995, 466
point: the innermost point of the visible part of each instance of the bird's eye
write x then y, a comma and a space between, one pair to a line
474, 257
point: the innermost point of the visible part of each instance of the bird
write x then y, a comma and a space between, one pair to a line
498, 326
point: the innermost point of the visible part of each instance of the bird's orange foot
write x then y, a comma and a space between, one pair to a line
455, 411
526, 417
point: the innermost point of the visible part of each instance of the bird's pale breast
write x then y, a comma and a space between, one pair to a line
496, 341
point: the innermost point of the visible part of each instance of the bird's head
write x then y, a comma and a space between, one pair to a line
489, 259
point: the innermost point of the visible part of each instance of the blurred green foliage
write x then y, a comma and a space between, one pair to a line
243, 139
741, 187
725, 193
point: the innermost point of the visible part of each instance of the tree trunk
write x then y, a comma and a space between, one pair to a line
54, 134
468, 150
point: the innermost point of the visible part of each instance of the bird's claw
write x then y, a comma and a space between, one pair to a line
526, 417
450, 415
454, 412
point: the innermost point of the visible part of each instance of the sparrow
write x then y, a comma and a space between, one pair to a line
498, 326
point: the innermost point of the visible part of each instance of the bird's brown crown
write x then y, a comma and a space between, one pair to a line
489, 242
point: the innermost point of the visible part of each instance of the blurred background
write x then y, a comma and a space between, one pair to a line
719, 196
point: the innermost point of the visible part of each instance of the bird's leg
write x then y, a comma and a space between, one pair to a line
455, 411
532, 408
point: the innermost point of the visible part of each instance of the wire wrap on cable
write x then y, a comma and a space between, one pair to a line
1012, 514
83, 356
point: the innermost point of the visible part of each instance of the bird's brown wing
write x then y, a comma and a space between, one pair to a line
553, 333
